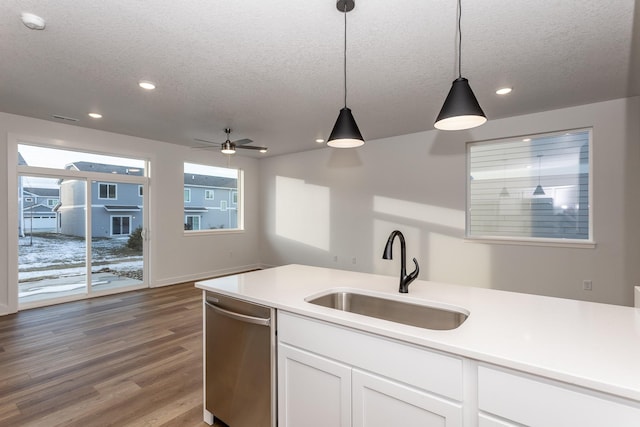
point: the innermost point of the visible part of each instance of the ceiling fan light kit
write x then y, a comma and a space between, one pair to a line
461, 109
230, 147
345, 133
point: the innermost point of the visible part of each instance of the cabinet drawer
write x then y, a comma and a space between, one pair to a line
534, 402
429, 370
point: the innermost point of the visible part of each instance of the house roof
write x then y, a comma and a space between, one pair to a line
191, 179
122, 208
105, 168
39, 208
42, 192
192, 209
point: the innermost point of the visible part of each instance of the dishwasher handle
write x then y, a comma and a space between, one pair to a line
241, 317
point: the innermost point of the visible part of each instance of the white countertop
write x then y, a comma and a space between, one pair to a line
588, 344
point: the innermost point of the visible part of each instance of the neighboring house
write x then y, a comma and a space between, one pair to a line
210, 202
38, 209
116, 208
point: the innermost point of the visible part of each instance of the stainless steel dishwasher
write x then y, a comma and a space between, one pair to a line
240, 369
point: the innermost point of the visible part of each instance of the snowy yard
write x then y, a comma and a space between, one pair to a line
50, 255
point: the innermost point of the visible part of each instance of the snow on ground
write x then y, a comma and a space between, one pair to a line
51, 255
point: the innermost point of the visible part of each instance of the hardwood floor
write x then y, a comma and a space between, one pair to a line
132, 359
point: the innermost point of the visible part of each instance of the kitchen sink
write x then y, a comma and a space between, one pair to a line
408, 313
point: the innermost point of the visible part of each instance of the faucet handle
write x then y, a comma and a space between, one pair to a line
412, 276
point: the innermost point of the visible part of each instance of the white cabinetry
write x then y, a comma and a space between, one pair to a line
334, 376
313, 391
509, 398
381, 402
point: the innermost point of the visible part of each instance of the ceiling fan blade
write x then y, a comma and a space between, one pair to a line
210, 145
250, 147
243, 141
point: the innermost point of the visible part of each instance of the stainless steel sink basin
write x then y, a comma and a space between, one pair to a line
408, 313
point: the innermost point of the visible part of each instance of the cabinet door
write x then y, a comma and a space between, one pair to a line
312, 391
527, 400
380, 402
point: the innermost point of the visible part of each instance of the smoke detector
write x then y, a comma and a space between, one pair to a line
33, 22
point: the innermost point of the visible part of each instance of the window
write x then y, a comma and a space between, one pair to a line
192, 222
534, 188
107, 191
140, 190
120, 225
52, 202
203, 183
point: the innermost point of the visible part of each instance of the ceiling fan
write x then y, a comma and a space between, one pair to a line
229, 147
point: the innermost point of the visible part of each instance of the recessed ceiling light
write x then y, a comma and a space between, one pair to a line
95, 115
145, 84
33, 22
527, 139
319, 140
263, 150
504, 90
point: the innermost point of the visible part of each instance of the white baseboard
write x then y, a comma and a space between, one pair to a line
637, 296
203, 276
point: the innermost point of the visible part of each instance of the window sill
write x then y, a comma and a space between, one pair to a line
192, 233
553, 243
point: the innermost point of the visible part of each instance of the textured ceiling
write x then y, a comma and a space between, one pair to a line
272, 70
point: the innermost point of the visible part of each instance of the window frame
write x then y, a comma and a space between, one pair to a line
236, 217
531, 241
108, 184
187, 195
112, 217
206, 194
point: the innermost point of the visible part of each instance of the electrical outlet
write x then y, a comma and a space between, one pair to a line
335, 258
353, 260
587, 285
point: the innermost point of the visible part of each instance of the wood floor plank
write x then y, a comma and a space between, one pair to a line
131, 359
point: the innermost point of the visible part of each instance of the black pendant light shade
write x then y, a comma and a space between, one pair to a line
345, 133
539, 191
461, 109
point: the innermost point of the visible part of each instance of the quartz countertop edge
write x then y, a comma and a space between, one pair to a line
587, 344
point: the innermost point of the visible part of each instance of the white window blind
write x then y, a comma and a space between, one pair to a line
530, 188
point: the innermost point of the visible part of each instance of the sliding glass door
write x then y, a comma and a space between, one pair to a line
50, 264
82, 228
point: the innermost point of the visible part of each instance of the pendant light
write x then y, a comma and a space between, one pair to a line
461, 109
345, 133
539, 191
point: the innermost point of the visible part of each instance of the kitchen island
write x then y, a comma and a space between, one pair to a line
518, 359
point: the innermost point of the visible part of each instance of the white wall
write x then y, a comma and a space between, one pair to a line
174, 257
328, 203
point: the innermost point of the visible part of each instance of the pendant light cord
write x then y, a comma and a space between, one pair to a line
459, 39
539, 166
345, 54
